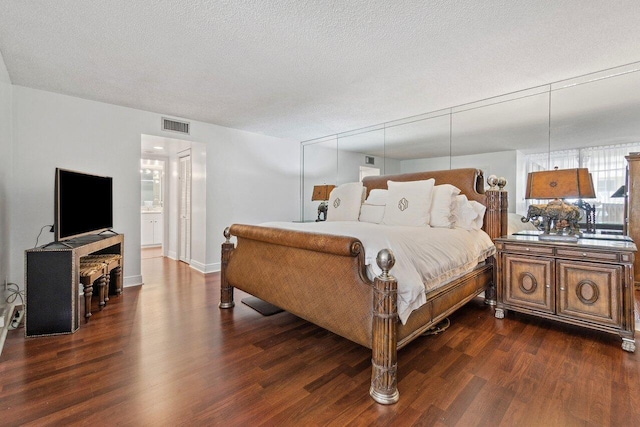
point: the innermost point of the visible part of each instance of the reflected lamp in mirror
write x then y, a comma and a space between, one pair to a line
321, 193
620, 192
558, 220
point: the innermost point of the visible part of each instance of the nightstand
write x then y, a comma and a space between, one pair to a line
588, 283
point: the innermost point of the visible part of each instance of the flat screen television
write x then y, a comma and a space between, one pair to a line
83, 204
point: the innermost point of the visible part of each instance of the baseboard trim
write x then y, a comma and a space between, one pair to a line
205, 268
132, 281
173, 255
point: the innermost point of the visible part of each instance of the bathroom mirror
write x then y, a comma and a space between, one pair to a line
152, 184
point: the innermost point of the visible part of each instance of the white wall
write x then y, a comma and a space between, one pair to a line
244, 171
502, 163
6, 157
250, 179
424, 165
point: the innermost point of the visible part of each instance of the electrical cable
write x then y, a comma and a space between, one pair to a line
38, 238
439, 327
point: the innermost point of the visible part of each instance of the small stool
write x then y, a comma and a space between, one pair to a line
91, 272
114, 265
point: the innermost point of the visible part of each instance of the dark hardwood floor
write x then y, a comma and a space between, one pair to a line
164, 354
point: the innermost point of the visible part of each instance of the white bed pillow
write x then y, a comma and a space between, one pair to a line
344, 202
371, 213
442, 205
479, 208
408, 203
465, 214
377, 197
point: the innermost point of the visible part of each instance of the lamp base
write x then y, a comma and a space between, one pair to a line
322, 212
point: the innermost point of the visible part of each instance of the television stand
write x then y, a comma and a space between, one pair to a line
53, 282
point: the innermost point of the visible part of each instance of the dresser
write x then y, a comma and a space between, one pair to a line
588, 283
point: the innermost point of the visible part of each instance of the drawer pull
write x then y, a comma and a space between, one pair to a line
547, 286
584, 254
527, 249
562, 289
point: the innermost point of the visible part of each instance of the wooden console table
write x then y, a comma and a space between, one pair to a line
52, 281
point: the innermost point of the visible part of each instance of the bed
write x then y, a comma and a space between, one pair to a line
323, 278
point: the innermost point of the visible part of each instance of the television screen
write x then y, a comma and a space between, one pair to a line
83, 204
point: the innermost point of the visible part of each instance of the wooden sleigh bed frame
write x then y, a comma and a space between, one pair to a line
322, 279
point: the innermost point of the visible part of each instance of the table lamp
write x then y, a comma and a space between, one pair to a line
322, 192
558, 220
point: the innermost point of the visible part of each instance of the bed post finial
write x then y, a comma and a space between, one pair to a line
227, 235
384, 345
385, 260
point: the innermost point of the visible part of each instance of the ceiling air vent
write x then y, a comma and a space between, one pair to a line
175, 126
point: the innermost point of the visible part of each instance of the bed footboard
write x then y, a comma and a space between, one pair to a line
362, 311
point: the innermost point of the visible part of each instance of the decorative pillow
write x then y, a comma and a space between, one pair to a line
371, 213
344, 202
442, 205
465, 214
408, 203
377, 197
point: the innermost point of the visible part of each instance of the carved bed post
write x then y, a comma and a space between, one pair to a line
384, 361
496, 223
226, 291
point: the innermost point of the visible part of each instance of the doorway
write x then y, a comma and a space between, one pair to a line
184, 198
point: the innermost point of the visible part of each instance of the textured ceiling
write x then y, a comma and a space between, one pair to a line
300, 68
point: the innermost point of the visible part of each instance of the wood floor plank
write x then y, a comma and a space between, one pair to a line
165, 354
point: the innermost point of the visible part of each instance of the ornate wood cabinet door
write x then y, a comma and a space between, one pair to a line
528, 282
590, 292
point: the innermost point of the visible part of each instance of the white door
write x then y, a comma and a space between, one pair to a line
184, 210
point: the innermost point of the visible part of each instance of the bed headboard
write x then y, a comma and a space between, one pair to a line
470, 181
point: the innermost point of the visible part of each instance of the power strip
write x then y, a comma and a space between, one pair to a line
16, 319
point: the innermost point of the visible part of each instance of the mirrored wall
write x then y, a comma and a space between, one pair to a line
589, 121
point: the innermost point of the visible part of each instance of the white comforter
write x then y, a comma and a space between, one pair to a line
425, 257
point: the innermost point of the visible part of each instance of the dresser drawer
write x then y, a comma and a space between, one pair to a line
528, 249
587, 255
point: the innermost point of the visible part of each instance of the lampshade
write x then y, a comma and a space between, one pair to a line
560, 184
620, 192
321, 192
